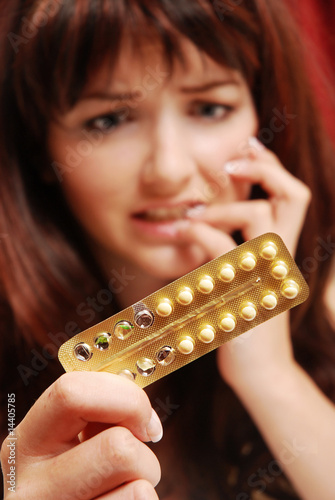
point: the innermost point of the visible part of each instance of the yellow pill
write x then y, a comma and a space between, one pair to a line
185, 297
206, 285
227, 273
269, 301
290, 289
248, 312
269, 251
186, 345
207, 334
228, 323
164, 308
279, 270
248, 262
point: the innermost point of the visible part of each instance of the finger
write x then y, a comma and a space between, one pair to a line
213, 241
253, 216
97, 466
267, 171
66, 407
136, 490
256, 217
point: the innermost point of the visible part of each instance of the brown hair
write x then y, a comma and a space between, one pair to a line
49, 49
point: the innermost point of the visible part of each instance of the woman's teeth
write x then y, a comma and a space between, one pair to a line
173, 213
195, 211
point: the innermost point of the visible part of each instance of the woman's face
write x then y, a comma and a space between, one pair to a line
145, 147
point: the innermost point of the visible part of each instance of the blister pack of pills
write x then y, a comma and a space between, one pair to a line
192, 315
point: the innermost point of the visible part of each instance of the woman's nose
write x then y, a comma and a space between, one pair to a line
169, 166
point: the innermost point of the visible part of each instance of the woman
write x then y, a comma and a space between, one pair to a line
129, 158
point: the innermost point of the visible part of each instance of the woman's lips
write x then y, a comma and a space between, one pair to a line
166, 222
169, 229
171, 213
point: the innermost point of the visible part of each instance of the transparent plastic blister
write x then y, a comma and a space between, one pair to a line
192, 315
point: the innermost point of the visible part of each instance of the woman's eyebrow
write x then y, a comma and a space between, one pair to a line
209, 86
108, 96
124, 96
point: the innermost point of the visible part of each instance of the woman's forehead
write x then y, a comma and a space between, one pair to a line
148, 63
155, 43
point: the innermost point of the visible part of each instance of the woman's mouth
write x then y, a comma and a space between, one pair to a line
171, 214
166, 221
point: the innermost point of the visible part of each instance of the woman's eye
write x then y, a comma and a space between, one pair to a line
209, 110
107, 123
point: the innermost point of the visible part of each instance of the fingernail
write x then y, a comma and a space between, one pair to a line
256, 144
154, 428
231, 167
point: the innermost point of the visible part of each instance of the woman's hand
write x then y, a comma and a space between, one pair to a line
83, 439
285, 404
251, 356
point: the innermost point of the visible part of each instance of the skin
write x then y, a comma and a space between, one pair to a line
168, 149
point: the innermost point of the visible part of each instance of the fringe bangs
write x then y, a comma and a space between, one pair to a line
62, 43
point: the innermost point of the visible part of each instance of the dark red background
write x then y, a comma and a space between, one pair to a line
317, 22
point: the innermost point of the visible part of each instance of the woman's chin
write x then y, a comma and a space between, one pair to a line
169, 264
